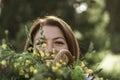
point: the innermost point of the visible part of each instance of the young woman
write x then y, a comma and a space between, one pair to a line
58, 35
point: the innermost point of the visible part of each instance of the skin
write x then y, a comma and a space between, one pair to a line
53, 38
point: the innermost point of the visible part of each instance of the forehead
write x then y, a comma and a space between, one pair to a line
50, 32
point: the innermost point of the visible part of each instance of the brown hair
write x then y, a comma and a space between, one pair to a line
64, 27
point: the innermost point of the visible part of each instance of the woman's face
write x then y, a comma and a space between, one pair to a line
54, 39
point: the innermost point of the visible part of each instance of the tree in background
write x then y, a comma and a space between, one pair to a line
112, 6
17, 13
89, 17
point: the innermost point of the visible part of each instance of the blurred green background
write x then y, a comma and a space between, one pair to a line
95, 22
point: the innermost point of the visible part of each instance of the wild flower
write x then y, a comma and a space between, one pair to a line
26, 75
4, 63
34, 66
4, 46
32, 69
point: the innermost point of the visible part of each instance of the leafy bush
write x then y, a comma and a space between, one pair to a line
33, 66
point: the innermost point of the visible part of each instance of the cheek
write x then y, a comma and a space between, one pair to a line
57, 48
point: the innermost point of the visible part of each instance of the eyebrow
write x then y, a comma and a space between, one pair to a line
59, 38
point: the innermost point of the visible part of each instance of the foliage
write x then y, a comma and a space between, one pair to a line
33, 66
89, 23
25, 65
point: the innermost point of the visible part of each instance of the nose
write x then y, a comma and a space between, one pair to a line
49, 47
